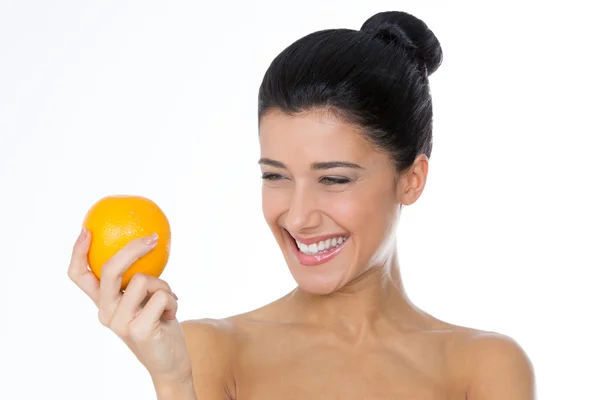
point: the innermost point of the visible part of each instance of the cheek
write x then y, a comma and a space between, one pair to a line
364, 214
348, 210
273, 204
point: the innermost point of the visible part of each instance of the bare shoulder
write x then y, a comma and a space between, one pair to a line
214, 331
212, 345
491, 365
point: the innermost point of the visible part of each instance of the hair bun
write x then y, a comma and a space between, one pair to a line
409, 32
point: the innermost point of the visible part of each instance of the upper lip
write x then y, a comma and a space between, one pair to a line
316, 239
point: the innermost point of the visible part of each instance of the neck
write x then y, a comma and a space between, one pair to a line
375, 295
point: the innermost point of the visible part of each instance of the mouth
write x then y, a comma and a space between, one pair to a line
317, 251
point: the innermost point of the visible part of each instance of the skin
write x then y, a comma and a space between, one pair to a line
348, 331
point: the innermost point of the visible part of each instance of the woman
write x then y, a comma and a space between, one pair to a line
345, 128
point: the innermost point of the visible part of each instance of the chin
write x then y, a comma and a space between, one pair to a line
317, 285
322, 279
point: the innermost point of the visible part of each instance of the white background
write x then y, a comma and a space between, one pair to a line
159, 99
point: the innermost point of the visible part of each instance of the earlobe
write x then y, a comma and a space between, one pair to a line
410, 184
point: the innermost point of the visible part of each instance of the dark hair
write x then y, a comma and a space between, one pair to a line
375, 78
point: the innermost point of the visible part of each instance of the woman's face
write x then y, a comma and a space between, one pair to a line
329, 197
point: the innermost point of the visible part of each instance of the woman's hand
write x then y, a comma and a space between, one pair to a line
143, 316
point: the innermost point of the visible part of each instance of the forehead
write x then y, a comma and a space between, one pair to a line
312, 137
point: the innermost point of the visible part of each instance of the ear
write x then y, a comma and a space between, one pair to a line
411, 182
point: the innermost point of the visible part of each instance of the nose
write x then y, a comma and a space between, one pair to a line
303, 214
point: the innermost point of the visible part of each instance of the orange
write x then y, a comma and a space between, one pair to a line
116, 220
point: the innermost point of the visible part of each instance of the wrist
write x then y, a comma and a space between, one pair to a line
175, 390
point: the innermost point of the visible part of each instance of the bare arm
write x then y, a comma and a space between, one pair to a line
498, 369
211, 345
175, 391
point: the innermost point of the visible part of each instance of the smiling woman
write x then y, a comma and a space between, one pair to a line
345, 130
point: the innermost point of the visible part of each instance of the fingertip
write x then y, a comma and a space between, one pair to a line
170, 314
80, 244
83, 235
84, 240
151, 240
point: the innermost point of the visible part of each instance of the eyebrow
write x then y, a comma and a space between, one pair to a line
316, 166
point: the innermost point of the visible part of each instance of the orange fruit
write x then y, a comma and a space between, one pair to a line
116, 220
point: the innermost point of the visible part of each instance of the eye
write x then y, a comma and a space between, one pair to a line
330, 180
268, 176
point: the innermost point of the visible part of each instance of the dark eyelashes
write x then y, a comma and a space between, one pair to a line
271, 177
329, 180
326, 180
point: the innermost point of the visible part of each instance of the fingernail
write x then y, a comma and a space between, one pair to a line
83, 234
176, 298
152, 239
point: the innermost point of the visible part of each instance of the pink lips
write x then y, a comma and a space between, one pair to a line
307, 259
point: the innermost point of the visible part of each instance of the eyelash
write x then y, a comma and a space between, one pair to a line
326, 180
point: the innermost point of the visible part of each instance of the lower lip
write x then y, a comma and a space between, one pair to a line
316, 259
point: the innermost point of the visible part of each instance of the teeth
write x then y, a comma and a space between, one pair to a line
321, 247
